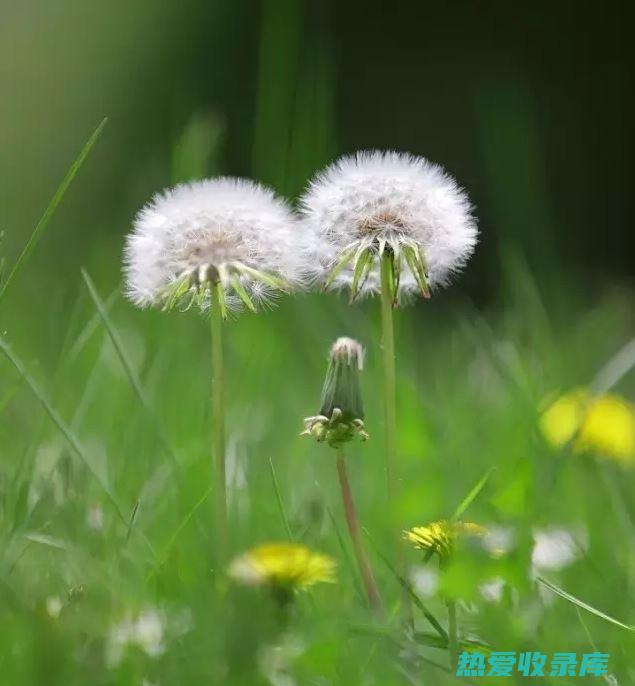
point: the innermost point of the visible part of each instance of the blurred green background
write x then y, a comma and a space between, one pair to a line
527, 105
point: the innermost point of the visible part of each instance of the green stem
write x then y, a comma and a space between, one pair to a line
388, 350
370, 585
453, 642
218, 420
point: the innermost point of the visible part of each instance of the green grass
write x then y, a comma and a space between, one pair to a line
121, 423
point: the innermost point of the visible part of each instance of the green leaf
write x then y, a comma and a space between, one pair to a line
271, 280
473, 494
363, 265
415, 262
341, 263
52, 206
242, 293
283, 512
581, 604
405, 584
127, 365
175, 292
61, 425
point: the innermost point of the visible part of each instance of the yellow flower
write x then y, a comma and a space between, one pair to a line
440, 537
283, 565
604, 424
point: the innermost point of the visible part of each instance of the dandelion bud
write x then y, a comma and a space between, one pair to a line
341, 412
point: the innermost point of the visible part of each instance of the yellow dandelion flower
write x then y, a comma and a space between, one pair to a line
440, 537
283, 565
604, 424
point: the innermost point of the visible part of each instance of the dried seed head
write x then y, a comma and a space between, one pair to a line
230, 234
388, 205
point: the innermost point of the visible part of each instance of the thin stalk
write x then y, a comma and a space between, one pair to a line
218, 420
370, 585
453, 641
388, 351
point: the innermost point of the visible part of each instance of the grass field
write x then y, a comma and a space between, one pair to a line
110, 572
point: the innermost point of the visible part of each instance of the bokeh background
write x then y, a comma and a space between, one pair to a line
527, 104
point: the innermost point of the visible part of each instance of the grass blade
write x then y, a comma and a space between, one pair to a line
283, 513
352, 567
177, 532
89, 329
63, 428
581, 604
405, 584
127, 364
52, 206
472, 495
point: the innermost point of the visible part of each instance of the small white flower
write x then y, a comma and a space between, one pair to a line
556, 548
425, 581
95, 518
499, 540
146, 631
225, 233
366, 204
54, 606
492, 590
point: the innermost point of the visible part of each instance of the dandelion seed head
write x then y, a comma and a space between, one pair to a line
204, 231
372, 199
286, 565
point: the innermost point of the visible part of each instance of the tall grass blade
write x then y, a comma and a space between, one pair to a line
473, 494
127, 364
52, 206
63, 428
283, 513
585, 606
404, 583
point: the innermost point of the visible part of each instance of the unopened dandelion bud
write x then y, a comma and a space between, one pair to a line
341, 415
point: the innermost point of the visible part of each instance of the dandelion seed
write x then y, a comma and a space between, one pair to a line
229, 235
440, 537
286, 567
372, 204
603, 424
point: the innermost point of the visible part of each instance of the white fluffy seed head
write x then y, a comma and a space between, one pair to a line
376, 198
207, 224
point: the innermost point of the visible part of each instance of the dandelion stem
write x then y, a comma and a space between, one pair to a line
370, 585
453, 642
388, 349
218, 420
